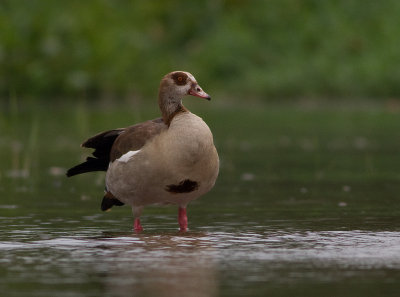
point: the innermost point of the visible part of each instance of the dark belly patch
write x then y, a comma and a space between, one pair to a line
185, 186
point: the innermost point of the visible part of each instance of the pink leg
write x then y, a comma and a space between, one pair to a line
136, 225
182, 219
137, 211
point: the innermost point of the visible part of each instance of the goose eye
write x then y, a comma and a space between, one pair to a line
179, 78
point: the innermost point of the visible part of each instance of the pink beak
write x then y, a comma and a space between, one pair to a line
198, 92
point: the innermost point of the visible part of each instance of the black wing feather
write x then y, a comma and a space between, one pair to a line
102, 144
135, 137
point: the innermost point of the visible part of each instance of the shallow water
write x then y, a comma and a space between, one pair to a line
299, 210
42, 258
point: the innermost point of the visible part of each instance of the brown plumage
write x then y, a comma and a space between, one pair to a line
169, 160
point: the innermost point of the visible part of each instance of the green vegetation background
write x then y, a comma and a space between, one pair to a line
277, 48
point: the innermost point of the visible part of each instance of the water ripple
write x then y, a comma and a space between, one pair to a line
350, 248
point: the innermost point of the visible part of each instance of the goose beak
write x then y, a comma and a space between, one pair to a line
195, 90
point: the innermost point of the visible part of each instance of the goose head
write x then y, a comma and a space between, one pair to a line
173, 87
176, 85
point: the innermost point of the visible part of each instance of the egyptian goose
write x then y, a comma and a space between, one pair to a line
169, 160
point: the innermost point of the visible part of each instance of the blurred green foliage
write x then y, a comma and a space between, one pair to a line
260, 48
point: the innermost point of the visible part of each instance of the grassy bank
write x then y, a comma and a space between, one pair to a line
94, 49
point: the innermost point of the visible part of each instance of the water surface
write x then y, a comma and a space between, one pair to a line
306, 205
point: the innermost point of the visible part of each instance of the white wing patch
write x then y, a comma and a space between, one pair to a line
126, 157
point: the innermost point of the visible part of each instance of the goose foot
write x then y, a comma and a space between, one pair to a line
137, 226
